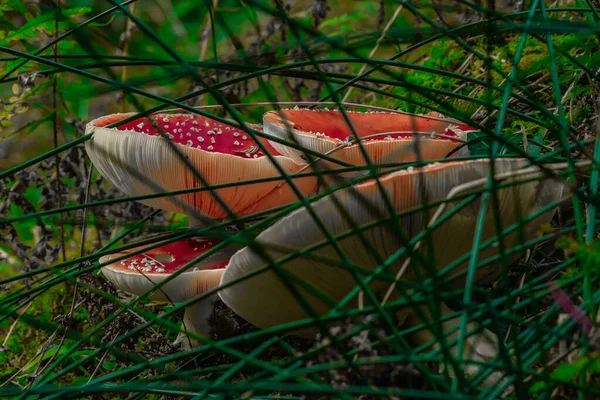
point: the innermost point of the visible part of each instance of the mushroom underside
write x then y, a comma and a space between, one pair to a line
324, 271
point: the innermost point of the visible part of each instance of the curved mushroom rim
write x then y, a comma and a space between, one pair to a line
123, 270
168, 258
444, 130
160, 274
183, 149
202, 133
165, 286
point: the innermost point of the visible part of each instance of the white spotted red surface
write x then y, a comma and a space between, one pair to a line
331, 123
169, 258
194, 131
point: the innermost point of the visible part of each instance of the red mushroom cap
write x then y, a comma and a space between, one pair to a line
195, 131
387, 137
134, 154
143, 270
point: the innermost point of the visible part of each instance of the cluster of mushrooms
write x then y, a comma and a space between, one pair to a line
309, 261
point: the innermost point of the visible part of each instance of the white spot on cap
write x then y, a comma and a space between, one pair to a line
200, 139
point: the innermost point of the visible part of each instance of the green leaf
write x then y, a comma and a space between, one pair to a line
44, 23
536, 151
566, 372
537, 387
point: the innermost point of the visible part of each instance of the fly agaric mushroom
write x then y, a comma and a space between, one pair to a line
408, 190
387, 137
134, 155
143, 270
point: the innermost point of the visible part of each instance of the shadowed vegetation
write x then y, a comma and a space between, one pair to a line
523, 74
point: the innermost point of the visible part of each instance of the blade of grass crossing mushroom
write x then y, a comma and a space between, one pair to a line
442, 342
220, 346
129, 89
78, 271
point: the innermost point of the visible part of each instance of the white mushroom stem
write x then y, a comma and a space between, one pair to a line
195, 320
479, 347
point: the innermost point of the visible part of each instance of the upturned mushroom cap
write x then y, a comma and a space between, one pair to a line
327, 132
134, 155
142, 271
265, 300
